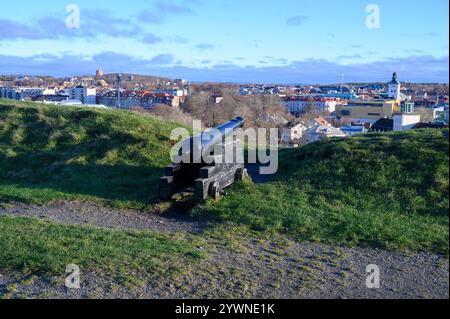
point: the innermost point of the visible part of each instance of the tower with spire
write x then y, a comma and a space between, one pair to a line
394, 88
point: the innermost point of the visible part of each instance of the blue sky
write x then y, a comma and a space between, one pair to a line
289, 41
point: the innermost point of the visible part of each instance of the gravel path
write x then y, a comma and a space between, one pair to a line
239, 266
80, 213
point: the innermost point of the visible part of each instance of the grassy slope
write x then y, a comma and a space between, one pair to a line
60, 153
52, 153
383, 190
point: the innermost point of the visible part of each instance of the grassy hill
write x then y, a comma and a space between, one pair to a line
378, 190
50, 153
383, 190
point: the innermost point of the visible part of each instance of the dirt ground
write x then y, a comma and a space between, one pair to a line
238, 267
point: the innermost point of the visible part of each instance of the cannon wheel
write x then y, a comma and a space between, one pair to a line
241, 174
214, 190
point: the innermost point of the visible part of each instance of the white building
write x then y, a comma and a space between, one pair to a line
394, 87
84, 94
406, 119
440, 113
49, 91
355, 129
320, 128
328, 132
293, 133
29, 93
77, 103
296, 105
22, 93
404, 122
174, 91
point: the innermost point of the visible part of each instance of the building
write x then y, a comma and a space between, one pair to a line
143, 99
149, 100
293, 133
366, 111
23, 93
319, 128
296, 132
441, 113
13, 93
370, 111
328, 132
341, 96
394, 87
355, 129
78, 104
182, 82
383, 125
51, 98
429, 125
99, 73
297, 105
83, 94
71, 103
174, 91
10, 93
128, 99
406, 119
217, 98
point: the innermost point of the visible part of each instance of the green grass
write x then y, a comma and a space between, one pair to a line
379, 190
35, 246
50, 153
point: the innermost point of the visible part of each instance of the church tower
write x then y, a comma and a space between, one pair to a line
394, 88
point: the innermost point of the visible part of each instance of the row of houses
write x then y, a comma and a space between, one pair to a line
394, 112
23, 93
262, 90
300, 104
297, 133
85, 95
408, 119
300, 132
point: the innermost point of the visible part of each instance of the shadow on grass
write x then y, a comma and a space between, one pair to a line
137, 185
49, 156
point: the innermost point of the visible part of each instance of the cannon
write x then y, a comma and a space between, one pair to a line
211, 164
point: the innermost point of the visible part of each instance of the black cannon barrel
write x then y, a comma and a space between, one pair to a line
204, 142
210, 138
231, 126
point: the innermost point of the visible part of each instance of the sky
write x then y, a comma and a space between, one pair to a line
258, 41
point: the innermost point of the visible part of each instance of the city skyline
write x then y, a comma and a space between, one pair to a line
287, 41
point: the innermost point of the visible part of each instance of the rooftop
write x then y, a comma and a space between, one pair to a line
394, 79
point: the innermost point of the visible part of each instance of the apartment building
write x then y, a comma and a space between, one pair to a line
297, 105
83, 94
366, 111
144, 99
